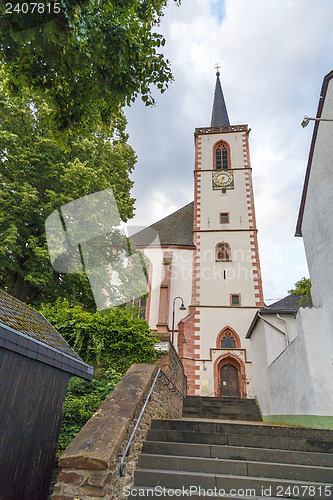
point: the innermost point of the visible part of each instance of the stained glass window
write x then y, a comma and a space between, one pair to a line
228, 341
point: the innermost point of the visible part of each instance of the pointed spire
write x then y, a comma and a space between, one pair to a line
219, 113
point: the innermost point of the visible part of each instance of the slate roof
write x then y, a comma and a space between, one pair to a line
175, 229
287, 305
26, 331
219, 112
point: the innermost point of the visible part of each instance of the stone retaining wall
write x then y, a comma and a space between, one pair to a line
90, 465
170, 363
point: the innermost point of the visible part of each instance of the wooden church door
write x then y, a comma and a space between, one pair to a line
229, 381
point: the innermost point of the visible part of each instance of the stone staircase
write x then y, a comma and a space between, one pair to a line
211, 450
221, 408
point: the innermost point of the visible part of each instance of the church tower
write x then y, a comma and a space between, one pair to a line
226, 284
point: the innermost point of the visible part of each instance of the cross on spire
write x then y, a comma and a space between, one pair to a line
219, 112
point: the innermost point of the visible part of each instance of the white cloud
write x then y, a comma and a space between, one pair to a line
273, 56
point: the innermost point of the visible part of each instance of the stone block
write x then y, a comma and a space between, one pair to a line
70, 477
62, 497
99, 479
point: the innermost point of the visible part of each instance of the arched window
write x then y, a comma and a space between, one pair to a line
228, 339
221, 156
223, 252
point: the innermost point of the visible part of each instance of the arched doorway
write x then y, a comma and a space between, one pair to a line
229, 384
230, 369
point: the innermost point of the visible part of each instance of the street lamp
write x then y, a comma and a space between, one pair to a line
182, 308
306, 120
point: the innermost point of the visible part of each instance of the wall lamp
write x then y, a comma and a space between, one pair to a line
306, 120
182, 308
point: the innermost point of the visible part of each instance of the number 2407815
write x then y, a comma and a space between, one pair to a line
31, 7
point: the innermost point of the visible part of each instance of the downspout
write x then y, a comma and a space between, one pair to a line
274, 326
287, 335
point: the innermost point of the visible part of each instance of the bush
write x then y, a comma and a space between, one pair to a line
82, 400
112, 337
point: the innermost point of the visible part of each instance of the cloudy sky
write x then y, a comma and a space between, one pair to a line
273, 56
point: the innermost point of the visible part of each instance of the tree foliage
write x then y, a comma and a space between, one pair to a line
37, 176
303, 288
89, 59
112, 337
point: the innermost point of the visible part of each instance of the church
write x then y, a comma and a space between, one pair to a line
204, 270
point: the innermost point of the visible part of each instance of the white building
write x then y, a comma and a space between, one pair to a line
207, 256
293, 355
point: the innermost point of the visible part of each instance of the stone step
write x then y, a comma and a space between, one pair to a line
223, 415
289, 488
238, 453
222, 409
219, 402
199, 402
261, 429
236, 467
207, 399
212, 402
232, 439
218, 409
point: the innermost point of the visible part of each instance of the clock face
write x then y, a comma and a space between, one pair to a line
223, 179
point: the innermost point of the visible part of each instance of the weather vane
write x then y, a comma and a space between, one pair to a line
217, 67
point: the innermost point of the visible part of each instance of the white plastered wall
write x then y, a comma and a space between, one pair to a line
214, 288
233, 202
181, 282
317, 225
234, 139
218, 280
296, 381
212, 321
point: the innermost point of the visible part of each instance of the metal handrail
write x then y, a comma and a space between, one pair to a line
160, 373
174, 387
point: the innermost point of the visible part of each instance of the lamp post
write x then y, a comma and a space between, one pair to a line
306, 120
182, 308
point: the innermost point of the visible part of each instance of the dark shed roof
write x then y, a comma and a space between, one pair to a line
176, 229
26, 331
287, 305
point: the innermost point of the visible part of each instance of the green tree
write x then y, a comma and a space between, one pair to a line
302, 288
37, 176
89, 59
112, 337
